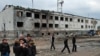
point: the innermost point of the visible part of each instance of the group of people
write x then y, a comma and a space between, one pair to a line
21, 47
25, 46
74, 48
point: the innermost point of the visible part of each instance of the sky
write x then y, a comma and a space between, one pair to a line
86, 8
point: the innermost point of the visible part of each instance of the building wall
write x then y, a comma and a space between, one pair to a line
6, 17
11, 16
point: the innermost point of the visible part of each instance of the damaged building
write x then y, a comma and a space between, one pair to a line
15, 20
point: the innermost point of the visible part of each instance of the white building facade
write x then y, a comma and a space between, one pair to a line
15, 20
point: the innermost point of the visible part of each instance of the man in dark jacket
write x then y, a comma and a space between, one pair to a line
16, 48
29, 38
74, 49
32, 49
66, 45
5, 49
52, 42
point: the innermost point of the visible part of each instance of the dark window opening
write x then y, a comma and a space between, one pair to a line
44, 16
42, 34
44, 25
28, 14
81, 26
48, 33
66, 19
19, 24
71, 19
82, 21
51, 17
56, 25
19, 13
56, 17
51, 25
61, 18
36, 25
66, 26
36, 16
78, 20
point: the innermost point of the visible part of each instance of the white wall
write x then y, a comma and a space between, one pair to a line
6, 16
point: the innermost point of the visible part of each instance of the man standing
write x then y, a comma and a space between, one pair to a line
66, 45
74, 49
52, 42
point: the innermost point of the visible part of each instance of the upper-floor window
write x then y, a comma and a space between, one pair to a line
71, 19
78, 20
56, 17
61, 18
28, 14
51, 17
19, 13
66, 19
36, 15
82, 21
44, 16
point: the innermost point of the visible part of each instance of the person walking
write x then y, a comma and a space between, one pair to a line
52, 42
66, 46
74, 48
4, 49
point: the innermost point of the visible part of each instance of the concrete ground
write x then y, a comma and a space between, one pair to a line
85, 47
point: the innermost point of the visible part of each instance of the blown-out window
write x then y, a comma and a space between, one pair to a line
19, 24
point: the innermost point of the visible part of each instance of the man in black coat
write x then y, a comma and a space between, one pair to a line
52, 42
66, 45
74, 49
32, 49
4, 48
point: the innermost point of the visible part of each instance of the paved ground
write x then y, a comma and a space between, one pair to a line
86, 47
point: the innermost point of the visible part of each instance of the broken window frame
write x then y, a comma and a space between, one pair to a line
50, 25
44, 25
37, 26
66, 25
66, 19
56, 18
44, 16
62, 18
71, 19
19, 14
28, 14
21, 24
36, 16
